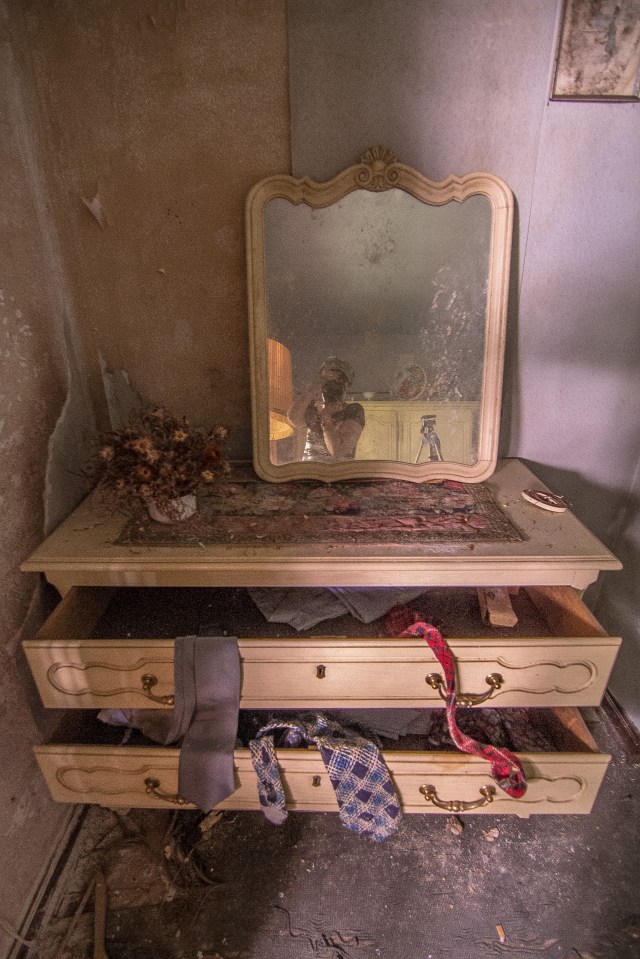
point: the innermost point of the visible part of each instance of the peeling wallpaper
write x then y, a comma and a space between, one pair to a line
150, 167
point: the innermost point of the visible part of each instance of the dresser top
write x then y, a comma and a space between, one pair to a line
91, 548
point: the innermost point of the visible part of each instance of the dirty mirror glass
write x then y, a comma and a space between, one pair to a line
377, 341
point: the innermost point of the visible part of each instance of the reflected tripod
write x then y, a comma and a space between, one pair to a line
429, 438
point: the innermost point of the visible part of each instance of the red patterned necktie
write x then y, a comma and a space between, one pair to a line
506, 768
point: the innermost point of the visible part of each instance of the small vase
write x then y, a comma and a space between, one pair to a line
175, 510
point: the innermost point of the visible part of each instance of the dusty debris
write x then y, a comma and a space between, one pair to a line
491, 834
334, 942
525, 946
210, 820
137, 874
455, 825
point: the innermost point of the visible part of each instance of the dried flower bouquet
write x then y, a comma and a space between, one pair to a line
160, 458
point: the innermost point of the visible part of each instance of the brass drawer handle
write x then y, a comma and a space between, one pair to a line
316, 781
493, 680
153, 789
458, 805
148, 682
321, 672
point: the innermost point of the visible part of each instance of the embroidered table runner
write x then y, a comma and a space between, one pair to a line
244, 511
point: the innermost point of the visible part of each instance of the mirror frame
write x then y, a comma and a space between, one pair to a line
380, 170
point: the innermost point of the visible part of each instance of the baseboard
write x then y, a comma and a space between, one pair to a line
46, 884
626, 729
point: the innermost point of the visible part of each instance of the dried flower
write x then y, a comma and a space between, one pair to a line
160, 457
141, 444
212, 453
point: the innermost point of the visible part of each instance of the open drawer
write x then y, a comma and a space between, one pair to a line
109, 648
88, 765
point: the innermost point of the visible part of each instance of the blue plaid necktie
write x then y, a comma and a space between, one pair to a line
366, 796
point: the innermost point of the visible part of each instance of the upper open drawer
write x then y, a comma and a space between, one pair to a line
110, 648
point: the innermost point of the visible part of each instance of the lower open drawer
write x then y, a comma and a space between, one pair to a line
564, 778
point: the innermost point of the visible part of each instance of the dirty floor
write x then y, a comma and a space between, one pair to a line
231, 886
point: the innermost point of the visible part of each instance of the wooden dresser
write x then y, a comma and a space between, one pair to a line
557, 660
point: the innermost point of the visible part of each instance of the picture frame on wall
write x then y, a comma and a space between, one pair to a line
598, 56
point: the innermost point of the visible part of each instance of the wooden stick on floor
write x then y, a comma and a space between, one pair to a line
60, 951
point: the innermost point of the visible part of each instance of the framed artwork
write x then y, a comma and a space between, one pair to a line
598, 51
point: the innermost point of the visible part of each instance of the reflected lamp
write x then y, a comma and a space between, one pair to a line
280, 389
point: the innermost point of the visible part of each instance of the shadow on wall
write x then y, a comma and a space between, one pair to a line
613, 515
607, 512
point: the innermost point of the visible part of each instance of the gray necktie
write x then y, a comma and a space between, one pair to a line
207, 701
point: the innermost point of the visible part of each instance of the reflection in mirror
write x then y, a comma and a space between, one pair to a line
383, 313
397, 290
332, 424
280, 390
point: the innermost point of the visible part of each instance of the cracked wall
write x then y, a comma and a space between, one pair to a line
41, 399
158, 118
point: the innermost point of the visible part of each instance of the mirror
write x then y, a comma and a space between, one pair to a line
377, 308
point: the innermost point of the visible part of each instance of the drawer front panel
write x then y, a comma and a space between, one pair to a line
370, 673
148, 777
94, 675
331, 673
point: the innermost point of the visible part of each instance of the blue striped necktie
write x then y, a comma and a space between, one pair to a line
365, 793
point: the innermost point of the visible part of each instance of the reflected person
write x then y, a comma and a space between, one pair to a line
333, 425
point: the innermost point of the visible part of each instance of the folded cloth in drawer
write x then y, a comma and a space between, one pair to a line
302, 607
